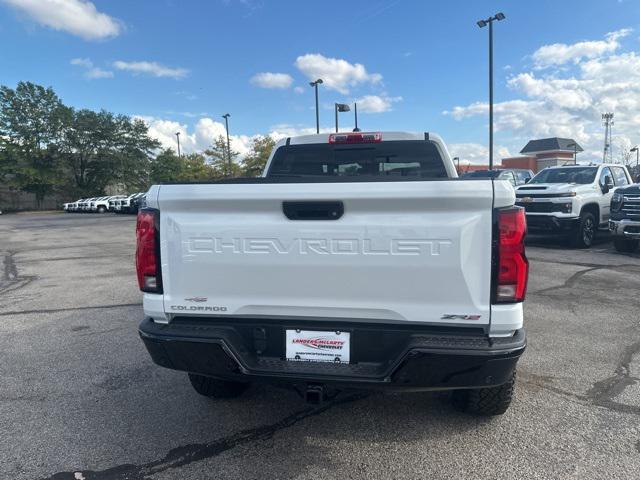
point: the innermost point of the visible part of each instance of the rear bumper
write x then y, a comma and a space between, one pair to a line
551, 223
383, 356
625, 228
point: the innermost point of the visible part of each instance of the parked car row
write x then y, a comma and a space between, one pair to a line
515, 176
581, 200
577, 201
113, 203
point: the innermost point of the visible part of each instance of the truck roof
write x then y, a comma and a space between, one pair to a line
386, 136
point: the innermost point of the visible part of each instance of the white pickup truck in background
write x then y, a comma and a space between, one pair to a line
572, 199
358, 260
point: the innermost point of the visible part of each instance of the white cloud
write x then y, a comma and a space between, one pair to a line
97, 72
337, 74
82, 62
272, 80
475, 153
78, 17
375, 103
299, 90
284, 130
569, 102
91, 71
151, 68
561, 53
204, 133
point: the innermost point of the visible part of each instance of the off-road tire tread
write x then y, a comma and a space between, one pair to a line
489, 401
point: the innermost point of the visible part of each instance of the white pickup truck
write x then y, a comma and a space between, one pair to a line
358, 260
572, 199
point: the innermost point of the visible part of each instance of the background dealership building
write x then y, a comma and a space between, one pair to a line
543, 153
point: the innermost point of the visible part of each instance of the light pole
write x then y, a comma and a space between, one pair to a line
575, 152
226, 125
178, 138
637, 150
483, 23
340, 107
315, 85
355, 110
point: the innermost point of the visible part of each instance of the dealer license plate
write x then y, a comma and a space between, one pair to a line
315, 346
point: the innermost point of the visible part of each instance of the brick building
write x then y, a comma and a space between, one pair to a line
545, 152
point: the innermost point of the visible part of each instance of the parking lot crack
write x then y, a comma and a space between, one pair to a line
11, 279
187, 454
569, 282
603, 392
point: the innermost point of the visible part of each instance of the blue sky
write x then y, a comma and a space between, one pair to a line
413, 65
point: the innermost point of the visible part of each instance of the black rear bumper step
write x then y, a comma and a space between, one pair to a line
381, 356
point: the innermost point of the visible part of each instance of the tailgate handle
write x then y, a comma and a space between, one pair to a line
310, 210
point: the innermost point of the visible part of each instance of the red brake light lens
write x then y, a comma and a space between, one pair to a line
361, 137
512, 263
148, 251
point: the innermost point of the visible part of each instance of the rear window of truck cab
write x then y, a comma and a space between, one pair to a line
388, 160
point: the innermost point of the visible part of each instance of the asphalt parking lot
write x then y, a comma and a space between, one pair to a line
80, 398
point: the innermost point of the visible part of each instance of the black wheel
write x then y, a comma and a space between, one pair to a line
214, 388
489, 401
625, 245
101, 209
585, 232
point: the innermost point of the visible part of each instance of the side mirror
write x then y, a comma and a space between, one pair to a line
608, 184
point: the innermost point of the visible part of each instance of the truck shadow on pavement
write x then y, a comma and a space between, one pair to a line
382, 419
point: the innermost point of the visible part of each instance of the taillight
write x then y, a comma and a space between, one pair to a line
148, 251
355, 137
512, 266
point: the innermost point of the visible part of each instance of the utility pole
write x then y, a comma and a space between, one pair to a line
483, 23
178, 138
315, 85
637, 150
226, 124
340, 107
575, 152
355, 110
607, 121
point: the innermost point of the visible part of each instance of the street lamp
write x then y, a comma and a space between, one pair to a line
340, 107
637, 150
483, 23
575, 152
178, 137
355, 110
315, 85
226, 124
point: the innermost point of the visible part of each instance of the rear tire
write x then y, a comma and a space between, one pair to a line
585, 232
214, 388
489, 401
625, 245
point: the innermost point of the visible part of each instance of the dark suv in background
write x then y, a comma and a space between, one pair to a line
624, 222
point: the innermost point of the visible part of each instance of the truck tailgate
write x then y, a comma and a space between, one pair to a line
401, 251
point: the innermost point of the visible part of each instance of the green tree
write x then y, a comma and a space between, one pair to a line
166, 167
220, 156
32, 119
101, 148
195, 168
253, 164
